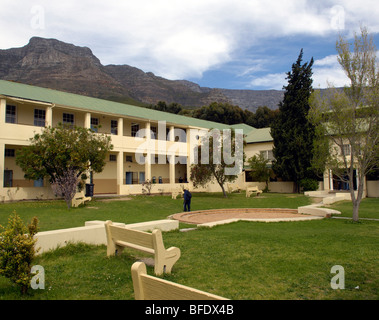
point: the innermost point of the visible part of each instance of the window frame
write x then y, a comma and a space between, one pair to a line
65, 116
10, 113
39, 117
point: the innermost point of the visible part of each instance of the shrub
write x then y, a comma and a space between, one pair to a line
17, 251
309, 184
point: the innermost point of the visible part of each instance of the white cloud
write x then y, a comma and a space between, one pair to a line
269, 81
179, 39
328, 70
325, 71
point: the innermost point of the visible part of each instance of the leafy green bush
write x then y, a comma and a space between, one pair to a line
309, 184
17, 250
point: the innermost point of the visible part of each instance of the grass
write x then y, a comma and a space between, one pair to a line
55, 215
243, 260
368, 209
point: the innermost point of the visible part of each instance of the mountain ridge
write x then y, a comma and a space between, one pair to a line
62, 66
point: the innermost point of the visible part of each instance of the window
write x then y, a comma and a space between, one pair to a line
153, 132
39, 117
267, 155
135, 129
248, 177
94, 124
112, 157
114, 127
141, 177
68, 119
129, 158
9, 153
346, 150
8, 178
131, 178
10, 114
38, 183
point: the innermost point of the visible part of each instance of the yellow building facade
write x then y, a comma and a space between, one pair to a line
25, 110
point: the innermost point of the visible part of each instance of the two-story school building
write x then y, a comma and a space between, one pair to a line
26, 109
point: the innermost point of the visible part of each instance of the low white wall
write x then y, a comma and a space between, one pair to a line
316, 210
21, 193
93, 233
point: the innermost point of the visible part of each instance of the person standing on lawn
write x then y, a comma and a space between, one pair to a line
187, 200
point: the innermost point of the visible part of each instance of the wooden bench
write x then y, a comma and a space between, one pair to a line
175, 193
120, 237
232, 189
148, 287
79, 199
251, 190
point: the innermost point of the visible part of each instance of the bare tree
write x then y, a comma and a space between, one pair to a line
349, 118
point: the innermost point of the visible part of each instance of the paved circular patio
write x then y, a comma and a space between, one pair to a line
221, 216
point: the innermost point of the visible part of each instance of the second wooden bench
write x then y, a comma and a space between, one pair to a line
120, 237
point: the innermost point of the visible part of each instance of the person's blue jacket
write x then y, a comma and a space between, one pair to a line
187, 195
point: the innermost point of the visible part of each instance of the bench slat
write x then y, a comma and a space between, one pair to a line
160, 289
140, 238
135, 246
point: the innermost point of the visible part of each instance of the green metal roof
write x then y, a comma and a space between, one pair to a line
259, 135
245, 127
60, 98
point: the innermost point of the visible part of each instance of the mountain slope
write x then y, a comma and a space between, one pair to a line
62, 66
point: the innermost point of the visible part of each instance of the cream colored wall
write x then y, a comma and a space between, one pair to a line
58, 116
255, 148
18, 174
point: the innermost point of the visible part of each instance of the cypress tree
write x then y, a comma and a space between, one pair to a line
292, 133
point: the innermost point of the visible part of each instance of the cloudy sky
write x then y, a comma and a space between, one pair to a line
236, 44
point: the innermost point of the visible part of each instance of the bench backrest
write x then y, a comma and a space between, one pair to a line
148, 287
140, 238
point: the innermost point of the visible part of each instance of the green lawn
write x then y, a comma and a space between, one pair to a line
243, 260
55, 215
369, 208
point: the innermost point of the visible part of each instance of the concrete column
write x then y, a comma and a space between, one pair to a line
189, 150
120, 171
2, 163
87, 120
148, 152
49, 117
326, 180
120, 127
172, 167
172, 134
3, 107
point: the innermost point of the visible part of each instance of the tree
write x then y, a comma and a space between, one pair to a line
63, 154
17, 251
220, 112
262, 118
219, 156
349, 118
292, 132
259, 169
